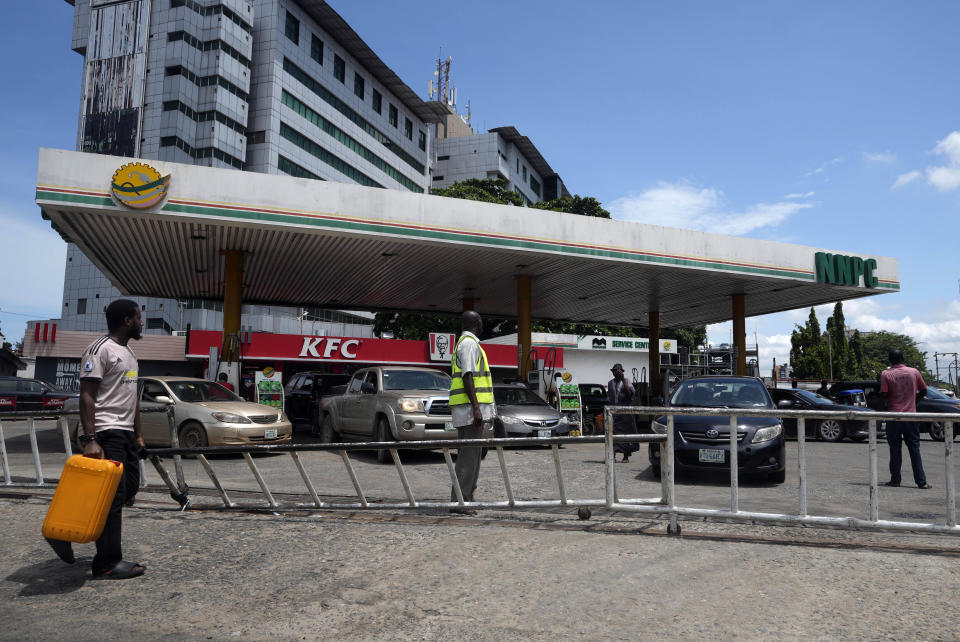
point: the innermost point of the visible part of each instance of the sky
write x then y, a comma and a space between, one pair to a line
829, 124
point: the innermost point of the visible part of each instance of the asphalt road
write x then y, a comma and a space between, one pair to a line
534, 575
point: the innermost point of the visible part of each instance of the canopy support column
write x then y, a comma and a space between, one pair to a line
654, 362
524, 338
232, 303
740, 334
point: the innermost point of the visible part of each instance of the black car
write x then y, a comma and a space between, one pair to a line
933, 401
704, 442
302, 396
19, 394
823, 429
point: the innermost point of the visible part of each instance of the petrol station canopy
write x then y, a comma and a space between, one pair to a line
317, 243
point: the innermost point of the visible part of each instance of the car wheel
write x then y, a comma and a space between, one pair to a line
830, 430
383, 434
193, 435
327, 434
778, 477
937, 432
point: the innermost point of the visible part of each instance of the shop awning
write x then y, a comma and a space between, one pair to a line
316, 243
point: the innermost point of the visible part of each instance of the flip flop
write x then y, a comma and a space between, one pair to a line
123, 570
64, 550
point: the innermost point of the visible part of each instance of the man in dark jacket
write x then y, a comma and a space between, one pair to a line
620, 392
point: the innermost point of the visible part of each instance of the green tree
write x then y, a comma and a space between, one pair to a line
856, 353
808, 350
488, 190
839, 352
876, 346
576, 204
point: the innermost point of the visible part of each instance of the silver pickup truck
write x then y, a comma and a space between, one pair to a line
389, 403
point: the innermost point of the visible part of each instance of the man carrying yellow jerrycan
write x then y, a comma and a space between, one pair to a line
89, 499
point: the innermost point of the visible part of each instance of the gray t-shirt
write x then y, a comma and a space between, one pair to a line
468, 356
115, 367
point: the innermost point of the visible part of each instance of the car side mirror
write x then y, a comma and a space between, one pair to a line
785, 404
164, 399
368, 388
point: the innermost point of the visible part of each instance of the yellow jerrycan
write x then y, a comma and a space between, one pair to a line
82, 499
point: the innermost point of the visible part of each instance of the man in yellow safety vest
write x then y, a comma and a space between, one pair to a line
471, 403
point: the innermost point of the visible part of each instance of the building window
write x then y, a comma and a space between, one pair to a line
358, 85
518, 166
443, 158
394, 116
408, 128
316, 49
257, 138
438, 178
81, 306
292, 29
377, 102
422, 141
535, 185
339, 69
524, 173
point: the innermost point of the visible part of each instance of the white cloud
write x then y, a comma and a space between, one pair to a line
823, 168
797, 195
880, 157
942, 177
684, 205
904, 179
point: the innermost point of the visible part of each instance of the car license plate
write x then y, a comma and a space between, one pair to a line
270, 434
712, 456
544, 433
448, 425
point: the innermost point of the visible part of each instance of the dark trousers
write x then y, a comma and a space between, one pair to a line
908, 432
468, 464
118, 445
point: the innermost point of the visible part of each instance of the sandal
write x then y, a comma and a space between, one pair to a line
123, 570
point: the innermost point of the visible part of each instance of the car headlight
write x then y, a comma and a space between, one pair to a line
409, 404
658, 427
507, 419
766, 434
564, 419
230, 418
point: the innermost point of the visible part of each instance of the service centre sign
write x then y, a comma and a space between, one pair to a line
623, 344
839, 269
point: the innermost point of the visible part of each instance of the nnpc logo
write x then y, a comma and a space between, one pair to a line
139, 186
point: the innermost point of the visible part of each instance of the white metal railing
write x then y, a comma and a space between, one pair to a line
664, 505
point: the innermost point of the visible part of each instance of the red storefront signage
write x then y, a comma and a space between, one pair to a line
8, 404
263, 346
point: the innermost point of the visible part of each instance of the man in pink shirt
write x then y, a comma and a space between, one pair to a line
901, 386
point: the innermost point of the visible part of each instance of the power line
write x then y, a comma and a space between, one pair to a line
21, 314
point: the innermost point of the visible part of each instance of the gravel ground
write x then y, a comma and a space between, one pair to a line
214, 575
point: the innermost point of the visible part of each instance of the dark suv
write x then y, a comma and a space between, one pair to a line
21, 394
933, 401
704, 442
302, 396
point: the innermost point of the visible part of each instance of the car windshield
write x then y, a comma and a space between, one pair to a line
516, 397
721, 393
197, 391
813, 397
415, 380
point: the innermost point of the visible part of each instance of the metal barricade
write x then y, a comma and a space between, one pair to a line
801, 517
664, 505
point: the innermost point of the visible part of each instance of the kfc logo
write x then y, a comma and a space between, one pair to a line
331, 348
440, 346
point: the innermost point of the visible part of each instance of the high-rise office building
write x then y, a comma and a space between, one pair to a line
273, 86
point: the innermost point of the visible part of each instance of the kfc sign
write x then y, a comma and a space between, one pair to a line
329, 348
441, 344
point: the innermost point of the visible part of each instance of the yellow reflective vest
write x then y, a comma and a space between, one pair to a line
482, 380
